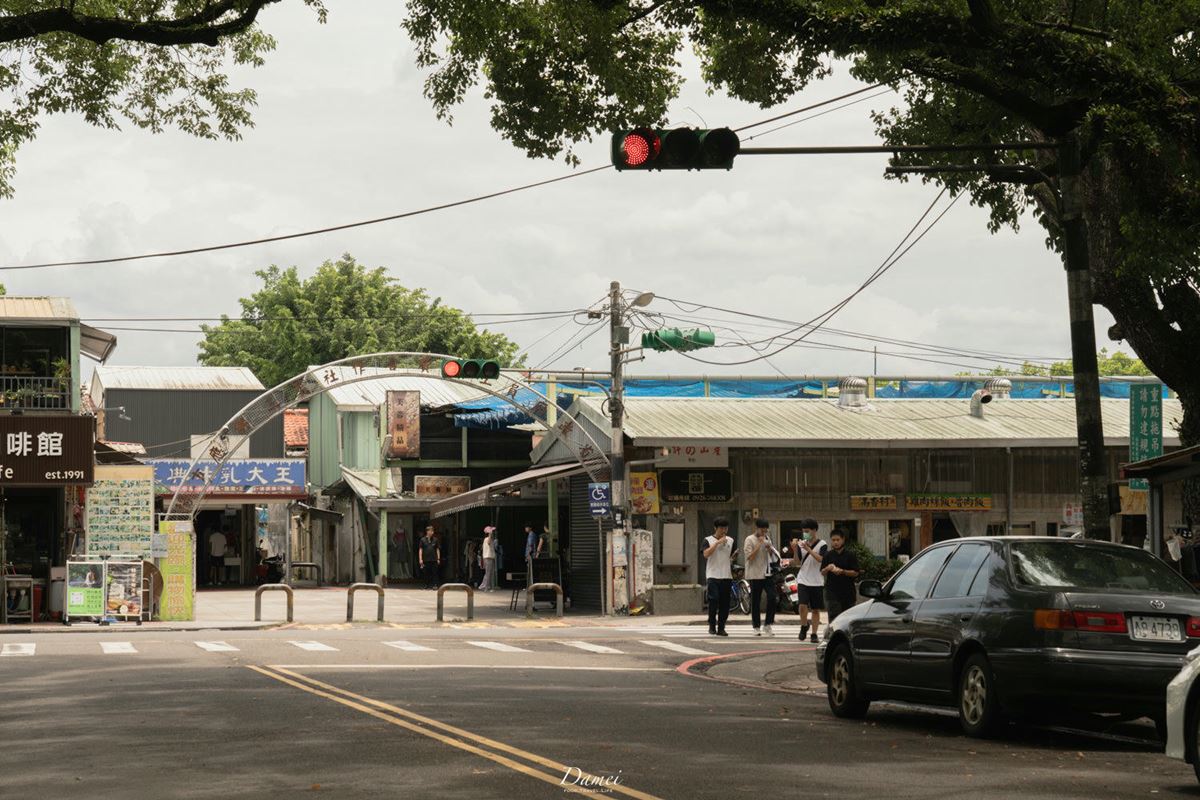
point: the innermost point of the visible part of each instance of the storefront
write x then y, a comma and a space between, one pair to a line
233, 514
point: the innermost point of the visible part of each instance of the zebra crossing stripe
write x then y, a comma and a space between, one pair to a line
313, 646
678, 648
217, 647
117, 648
12, 649
409, 647
591, 648
499, 647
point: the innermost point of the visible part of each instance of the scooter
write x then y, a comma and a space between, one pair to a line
787, 591
270, 570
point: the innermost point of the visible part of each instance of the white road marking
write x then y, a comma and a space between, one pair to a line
117, 648
471, 666
591, 648
314, 646
11, 649
678, 648
500, 647
409, 647
217, 647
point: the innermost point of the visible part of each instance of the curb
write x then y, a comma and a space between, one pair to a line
93, 628
698, 668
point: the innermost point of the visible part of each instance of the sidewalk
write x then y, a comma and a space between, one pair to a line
790, 671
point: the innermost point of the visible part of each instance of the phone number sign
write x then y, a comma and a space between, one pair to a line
47, 451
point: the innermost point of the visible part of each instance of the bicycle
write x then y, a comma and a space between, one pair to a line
739, 593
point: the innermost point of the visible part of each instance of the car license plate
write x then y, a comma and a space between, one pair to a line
1155, 629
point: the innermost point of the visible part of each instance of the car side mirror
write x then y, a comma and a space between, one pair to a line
869, 588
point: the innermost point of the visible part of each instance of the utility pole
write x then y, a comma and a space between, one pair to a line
1093, 464
618, 338
383, 477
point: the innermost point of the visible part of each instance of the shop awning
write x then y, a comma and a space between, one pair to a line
95, 343
480, 496
323, 514
365, 484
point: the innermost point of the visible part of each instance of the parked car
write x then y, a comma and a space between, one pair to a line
1015, 626
1183, 713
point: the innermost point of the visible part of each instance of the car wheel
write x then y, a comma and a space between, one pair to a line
978, 703
842, 686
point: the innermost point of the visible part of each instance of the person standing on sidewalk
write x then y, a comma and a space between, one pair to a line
811, 552
718, 551
429, 556
840, 569
757, 553
489, 558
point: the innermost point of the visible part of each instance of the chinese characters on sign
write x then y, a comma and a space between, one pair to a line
440, 485
873, 502
696, 455
404, 424
40, 451
696, 485
1145, 426
278, 476
179, 580
120, 511
643, 490
948, 502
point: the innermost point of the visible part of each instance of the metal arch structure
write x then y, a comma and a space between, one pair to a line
375, 366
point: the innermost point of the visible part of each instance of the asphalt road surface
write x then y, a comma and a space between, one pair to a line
490, 712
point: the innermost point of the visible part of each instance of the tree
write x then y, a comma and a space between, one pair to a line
1119, 80
1115, 364
154, 64
343, 310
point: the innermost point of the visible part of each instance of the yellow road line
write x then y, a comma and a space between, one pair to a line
421, 724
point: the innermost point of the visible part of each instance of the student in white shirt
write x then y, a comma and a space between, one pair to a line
718, 549
811, 552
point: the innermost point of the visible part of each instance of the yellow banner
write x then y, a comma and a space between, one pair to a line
948, 502
872, 502
643, 491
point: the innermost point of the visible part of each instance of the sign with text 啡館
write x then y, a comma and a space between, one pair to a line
47, 450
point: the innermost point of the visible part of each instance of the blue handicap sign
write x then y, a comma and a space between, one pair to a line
600, 499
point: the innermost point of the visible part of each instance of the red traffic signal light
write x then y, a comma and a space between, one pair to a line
677, 148
479, 369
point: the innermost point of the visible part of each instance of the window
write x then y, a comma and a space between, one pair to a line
1076, 565
914, 581
960, 571
983, 577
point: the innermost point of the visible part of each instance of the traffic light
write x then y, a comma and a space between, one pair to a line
675, 339
472, 369
676, 148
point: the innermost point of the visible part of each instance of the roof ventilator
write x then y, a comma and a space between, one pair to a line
999, 388
978, 400
852, 393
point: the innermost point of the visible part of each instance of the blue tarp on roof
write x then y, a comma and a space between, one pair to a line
493, 413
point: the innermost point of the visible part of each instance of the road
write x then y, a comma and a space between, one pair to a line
491, 711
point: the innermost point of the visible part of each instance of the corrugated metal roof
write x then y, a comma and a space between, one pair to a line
37, 308
369, 394
884, 423
178, 378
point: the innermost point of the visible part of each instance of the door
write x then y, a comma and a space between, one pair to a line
941, 620
882, 637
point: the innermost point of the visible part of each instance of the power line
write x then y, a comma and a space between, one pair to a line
392, 217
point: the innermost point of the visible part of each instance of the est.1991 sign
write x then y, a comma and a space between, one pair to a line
47, 451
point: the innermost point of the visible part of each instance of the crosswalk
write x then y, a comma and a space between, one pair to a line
651, 641
783, 633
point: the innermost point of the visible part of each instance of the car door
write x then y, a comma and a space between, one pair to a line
882, 636
941, 620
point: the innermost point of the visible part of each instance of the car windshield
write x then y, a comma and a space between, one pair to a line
1077, 565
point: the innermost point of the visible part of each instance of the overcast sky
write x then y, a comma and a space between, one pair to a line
343, 133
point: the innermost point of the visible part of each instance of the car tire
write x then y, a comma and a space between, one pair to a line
841, 685
978, 701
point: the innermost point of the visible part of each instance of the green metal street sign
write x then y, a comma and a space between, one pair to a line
1145, 426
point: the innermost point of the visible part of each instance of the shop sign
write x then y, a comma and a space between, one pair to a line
123, 589
440, 485
178, 570
872, 502
120, 511
1145, 426
85, 589
696, 485
1072, 515
46, 451
643, 492
275, 476
948, 502
404, 424
600, 499
1133, 501
696, 455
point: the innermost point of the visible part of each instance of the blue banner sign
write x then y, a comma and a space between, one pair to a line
239, 476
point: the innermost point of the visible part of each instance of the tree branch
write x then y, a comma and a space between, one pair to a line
202, 27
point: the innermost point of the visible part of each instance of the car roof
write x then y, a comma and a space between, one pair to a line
1039, 539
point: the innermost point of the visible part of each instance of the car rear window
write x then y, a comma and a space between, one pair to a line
1077, 565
